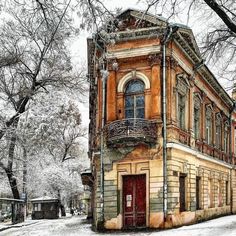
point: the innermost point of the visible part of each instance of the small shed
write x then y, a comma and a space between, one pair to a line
45, 208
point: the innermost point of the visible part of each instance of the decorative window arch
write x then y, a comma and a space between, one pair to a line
133, 74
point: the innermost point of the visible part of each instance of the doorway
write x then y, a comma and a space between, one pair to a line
134, 201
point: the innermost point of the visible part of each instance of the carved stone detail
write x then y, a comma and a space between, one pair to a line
200, 172
154, 59
172, 63
209, 111
212, 175
182, 84
185, 168
218, 119
197, 101
113, 65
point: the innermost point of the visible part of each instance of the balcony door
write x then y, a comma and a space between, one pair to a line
134, 99
134, 201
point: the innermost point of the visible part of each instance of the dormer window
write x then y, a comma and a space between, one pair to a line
134, 99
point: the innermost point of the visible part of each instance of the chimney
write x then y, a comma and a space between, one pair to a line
234, 92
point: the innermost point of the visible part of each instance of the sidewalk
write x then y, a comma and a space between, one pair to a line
8, 224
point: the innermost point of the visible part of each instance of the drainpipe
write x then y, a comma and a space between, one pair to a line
231, 156
166, 39
104, 74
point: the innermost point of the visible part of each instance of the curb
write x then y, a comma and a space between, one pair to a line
17, 226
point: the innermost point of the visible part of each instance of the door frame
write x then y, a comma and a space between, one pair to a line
139, 171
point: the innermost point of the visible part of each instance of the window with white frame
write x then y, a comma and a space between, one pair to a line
134, 99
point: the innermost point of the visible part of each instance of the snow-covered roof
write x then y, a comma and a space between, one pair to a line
44, 199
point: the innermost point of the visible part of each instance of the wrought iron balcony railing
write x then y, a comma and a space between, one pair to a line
131, 131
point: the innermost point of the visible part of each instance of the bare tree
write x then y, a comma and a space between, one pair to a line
218, 41
33, 58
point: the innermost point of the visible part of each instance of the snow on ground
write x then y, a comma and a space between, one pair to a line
78, 226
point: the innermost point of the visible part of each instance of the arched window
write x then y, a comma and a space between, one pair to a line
134, 99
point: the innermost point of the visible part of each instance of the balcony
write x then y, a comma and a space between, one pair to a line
130, 132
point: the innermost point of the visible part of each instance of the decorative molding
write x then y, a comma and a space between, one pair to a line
154, 59
218, 118
200, 172
172, 62
185, 168
182, 84
198, 154
133, 52
197, 101
113, 64
130, 76
209, 110
212, 175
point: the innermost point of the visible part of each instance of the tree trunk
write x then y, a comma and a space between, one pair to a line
62, 208
13, 183
9, 172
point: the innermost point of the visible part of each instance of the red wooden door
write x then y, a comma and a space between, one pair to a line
134, 201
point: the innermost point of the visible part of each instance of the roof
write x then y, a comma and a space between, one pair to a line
44, 199
11, 200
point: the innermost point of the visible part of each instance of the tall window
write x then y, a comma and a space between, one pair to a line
198, 192
227, 193
218, 132
210, 193
196, 123
226, 138
182, 192
208, 125
134, 99
181, 110
219, 191
197, 106
182, 88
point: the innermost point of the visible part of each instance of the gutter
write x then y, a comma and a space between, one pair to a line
104, 79
231, 156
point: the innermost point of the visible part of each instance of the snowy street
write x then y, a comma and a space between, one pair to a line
77, 225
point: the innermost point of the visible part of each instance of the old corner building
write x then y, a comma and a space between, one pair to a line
162, 129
